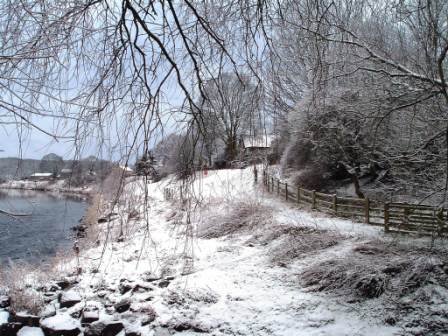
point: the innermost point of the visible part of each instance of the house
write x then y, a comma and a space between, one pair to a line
41, 176
256, 147
127, 171
65, 173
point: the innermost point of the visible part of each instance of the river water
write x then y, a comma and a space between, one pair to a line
47, 230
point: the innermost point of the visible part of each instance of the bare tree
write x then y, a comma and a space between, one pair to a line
229, 106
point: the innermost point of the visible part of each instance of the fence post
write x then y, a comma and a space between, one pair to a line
386, 217
440, 221
405, 220
272, 185
313, 199
367, 210
278, 186
335, 204
286, 190
298, 194
266, 180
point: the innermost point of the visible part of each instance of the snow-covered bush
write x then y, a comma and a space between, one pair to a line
21, 282
243, 217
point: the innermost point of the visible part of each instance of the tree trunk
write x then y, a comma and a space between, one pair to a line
355, 180
231, 149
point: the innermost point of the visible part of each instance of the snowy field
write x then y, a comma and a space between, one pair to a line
224, 263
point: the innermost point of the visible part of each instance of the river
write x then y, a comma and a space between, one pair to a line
47, 230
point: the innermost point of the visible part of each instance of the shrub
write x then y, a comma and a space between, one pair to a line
17, 279
297, 154
312, 178
374, 268
243, 217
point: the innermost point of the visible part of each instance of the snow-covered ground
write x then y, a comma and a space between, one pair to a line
157, 274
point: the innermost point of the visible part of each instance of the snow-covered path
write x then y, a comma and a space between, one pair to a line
258, 299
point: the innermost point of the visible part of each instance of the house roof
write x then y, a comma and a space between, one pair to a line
41, 175
126, 168
263, 141
66, 170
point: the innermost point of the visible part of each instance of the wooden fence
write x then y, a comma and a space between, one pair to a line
395, 217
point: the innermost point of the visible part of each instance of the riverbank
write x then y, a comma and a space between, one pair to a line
58, 186
231, 260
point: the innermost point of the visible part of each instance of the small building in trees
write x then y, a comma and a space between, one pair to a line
41, 177
127, 170
65, 173
256, 147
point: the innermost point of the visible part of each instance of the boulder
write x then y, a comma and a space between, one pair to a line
164, 283
60, 325
48, 311
69, 299
103, 328
150, 277
26, 319
30, 331
52, 287
125, 286
89, 316
132, 331
4, 301
66, 282
122, 306
10, 329
149, 315
143, 287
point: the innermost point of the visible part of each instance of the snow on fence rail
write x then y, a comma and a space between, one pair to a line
395, 217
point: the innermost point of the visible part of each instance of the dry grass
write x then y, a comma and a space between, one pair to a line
244, 217
376, 267
19, 282
112, 185
406, 279
91, 217
297, 242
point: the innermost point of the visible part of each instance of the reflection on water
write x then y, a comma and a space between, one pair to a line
46, 230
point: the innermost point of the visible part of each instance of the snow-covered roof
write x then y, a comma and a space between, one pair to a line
126, 168
66, 170
263, 141
41, 175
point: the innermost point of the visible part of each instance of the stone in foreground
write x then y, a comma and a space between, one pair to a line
103, 328
60, 325
89, 316
69, 299
26, 319
4, 301
30, 331
10, 329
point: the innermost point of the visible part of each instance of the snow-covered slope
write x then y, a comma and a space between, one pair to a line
156, 272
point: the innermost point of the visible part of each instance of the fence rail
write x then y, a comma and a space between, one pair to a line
393, 216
